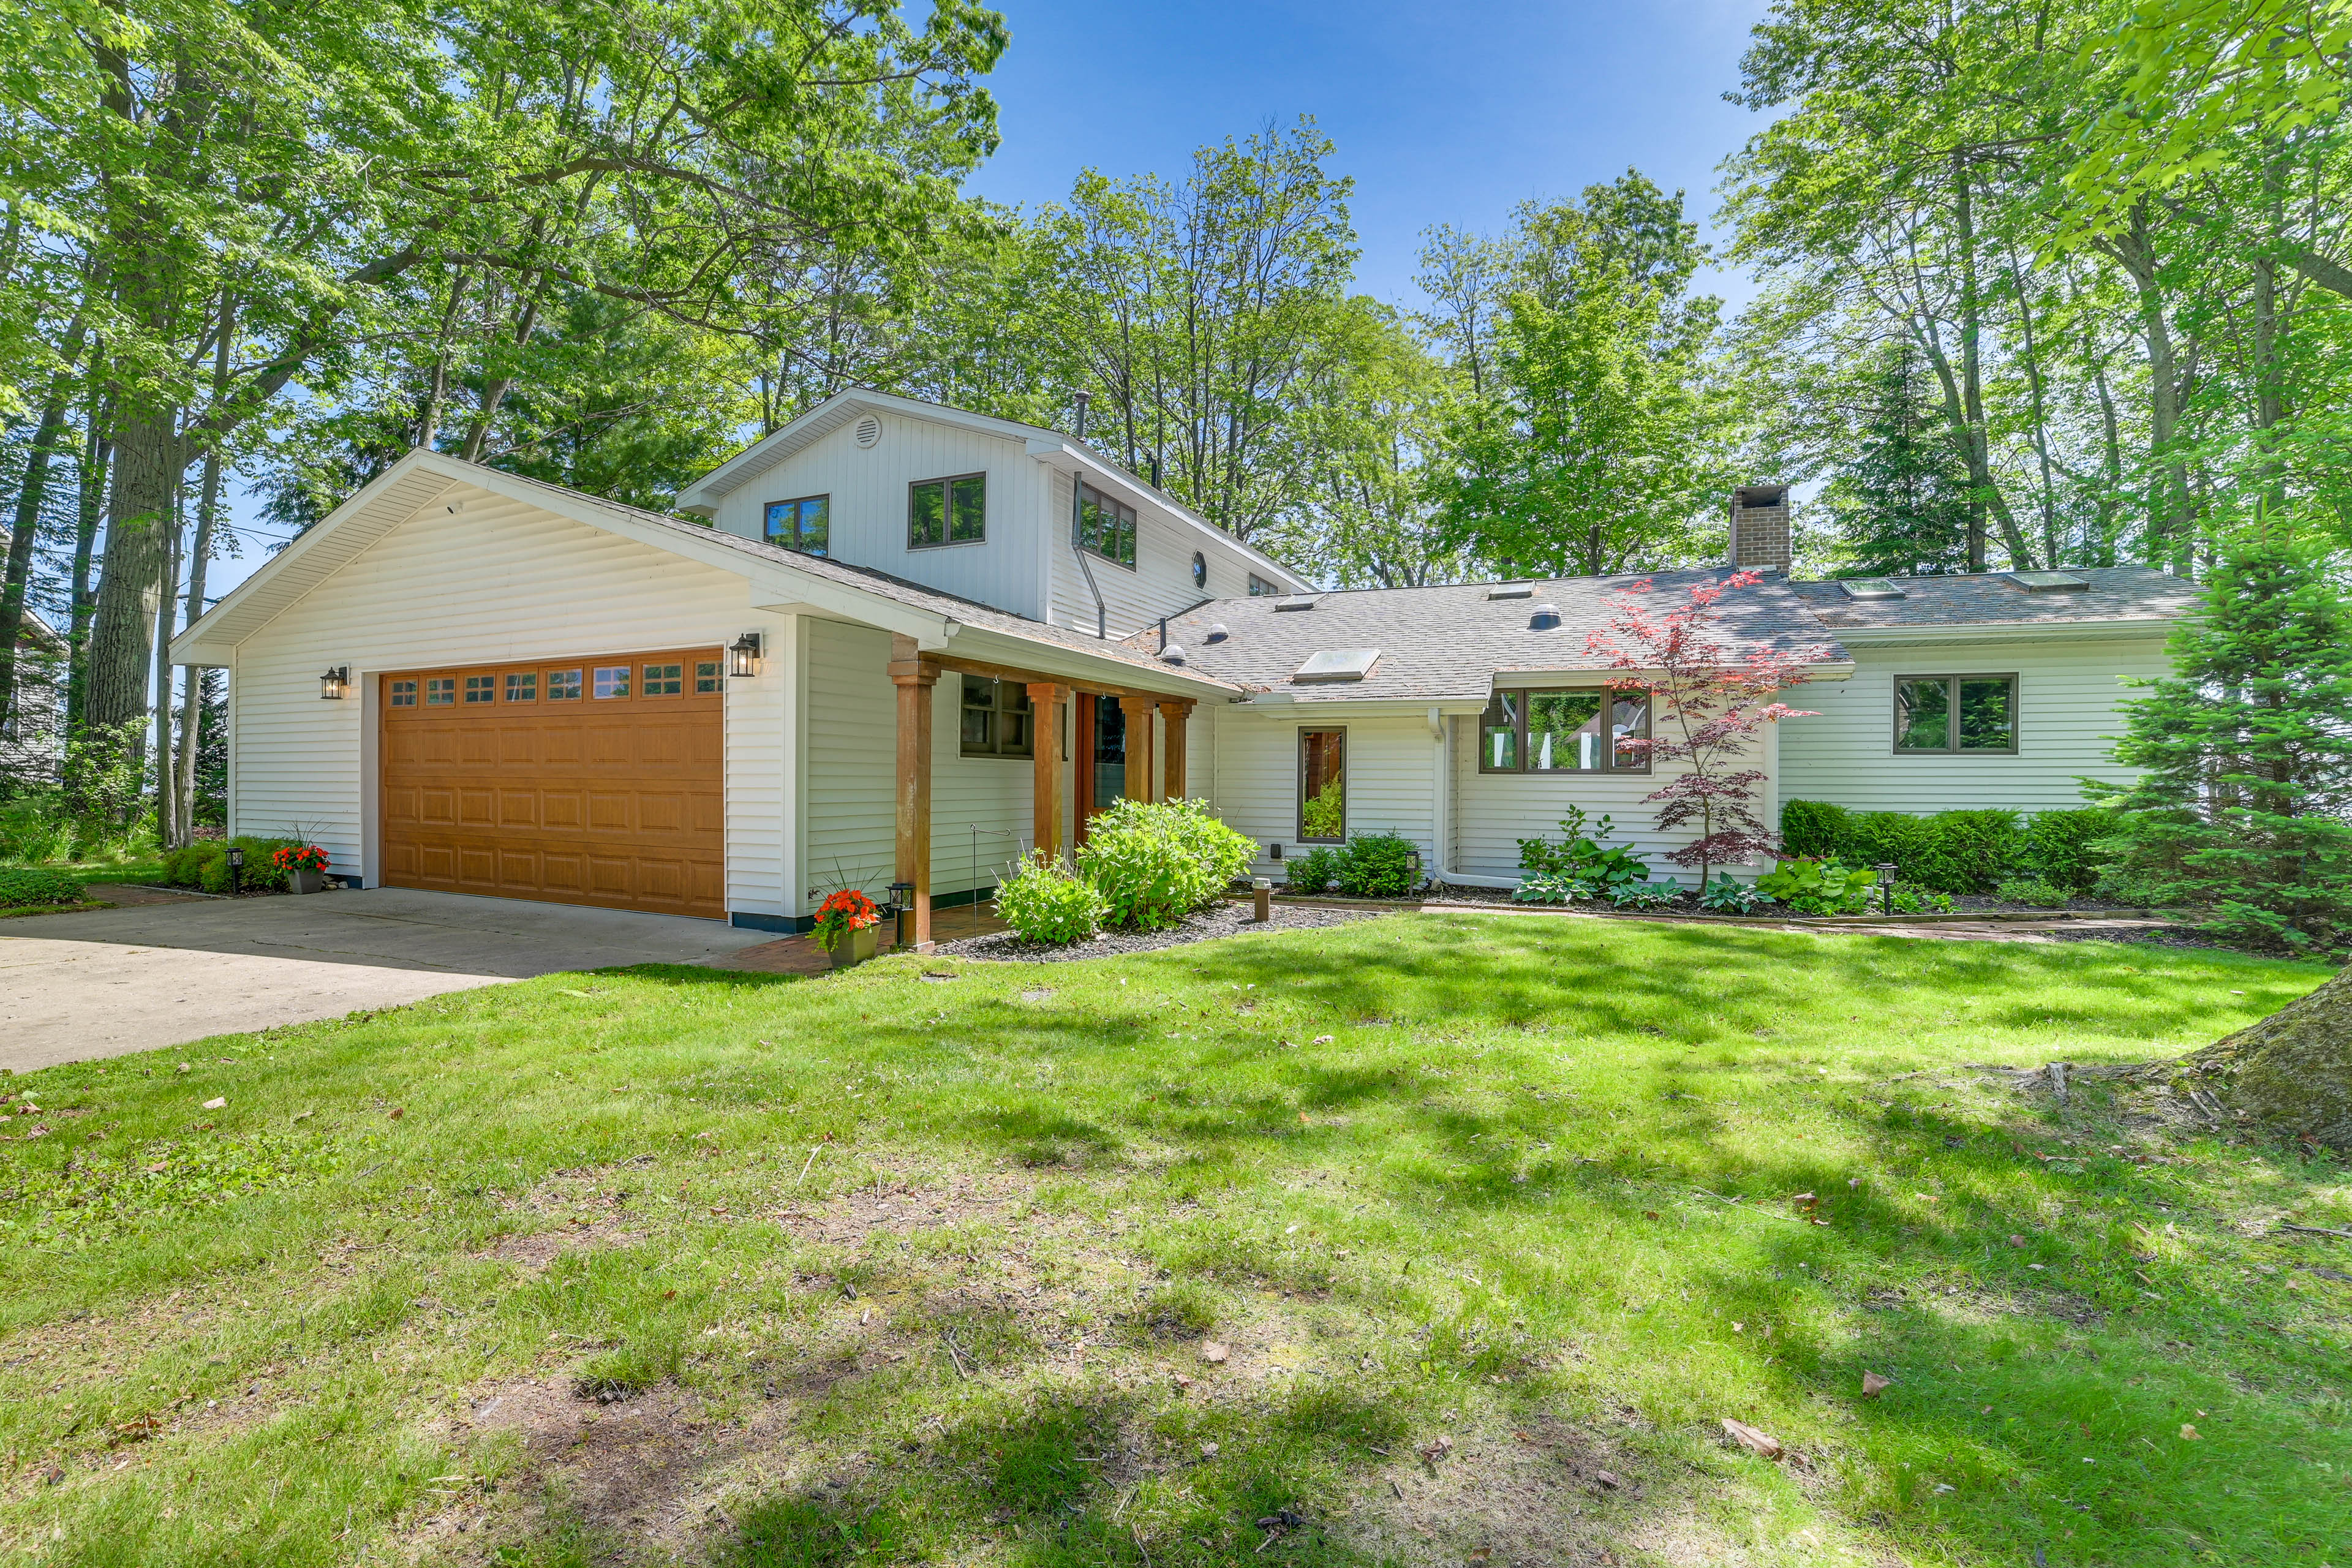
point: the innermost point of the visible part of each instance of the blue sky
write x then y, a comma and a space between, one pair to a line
1440, 115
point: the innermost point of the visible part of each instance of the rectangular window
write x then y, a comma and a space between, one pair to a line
997, 721
1580, 730
1105, 526
440, 691
1323, 786
523, 687
803, 525
947, 512
562, 686
481, 687
613, 681
1947, 715
663, 680
1260, 588
403, 694
706, 675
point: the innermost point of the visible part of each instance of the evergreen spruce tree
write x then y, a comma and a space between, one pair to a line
2245, 808
1901, 499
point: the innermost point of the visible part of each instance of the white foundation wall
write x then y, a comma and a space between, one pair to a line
2069, 698
1253, 776
496, 580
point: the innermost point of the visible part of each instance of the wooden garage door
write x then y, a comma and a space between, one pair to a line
592, 781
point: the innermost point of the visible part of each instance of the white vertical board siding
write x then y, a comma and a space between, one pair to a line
497, 580
850, 833
1254, 774
2069, 697
868, 509
1160, 585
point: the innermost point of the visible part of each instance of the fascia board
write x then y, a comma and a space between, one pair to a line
2008, 631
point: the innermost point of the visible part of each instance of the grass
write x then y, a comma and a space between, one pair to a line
1495, 1218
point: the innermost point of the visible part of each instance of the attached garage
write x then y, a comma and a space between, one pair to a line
579, 781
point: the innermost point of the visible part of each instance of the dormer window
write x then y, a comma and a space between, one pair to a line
1105, 526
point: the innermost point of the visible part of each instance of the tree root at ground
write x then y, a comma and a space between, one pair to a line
2291, 1073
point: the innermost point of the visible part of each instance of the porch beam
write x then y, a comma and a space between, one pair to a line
989, 672
1046, 701
1173, 714
915, 677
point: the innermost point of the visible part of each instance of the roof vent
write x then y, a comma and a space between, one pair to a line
2049, 582
1337, 664
1297, 602
1217, 632
1873, 588
1512, 591
1173, 654
1543, 617
869, 430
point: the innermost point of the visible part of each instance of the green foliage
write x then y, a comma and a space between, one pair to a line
2244, 807
2062, 848
1965, 852
1900, 497
1643, 895
1907, 899
1313, 872
43, 827
2030, 890
1725, 896
1326, 815
1154, 862
23, 887
1819, 887
1581, 861
1044, 902
204, 864
1815, 828
107, 1194
1543, 888
1376, 866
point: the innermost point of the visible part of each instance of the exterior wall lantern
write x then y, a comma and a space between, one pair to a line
336, 684
743, 656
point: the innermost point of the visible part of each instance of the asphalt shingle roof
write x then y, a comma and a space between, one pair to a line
1992, 598
1446, 644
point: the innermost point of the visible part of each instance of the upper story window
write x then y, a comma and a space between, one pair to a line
1259, 587
947, 512
802, 524
1105, 526
1590, 728
996, 719
1947, 715
1199, 571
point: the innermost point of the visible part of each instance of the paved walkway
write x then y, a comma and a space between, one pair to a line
105, 982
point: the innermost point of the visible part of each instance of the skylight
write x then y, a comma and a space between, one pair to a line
1339, 664
2048, 582
1873, 588
1297, 602
1512, 591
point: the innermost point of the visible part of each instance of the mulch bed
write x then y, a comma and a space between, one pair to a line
1219, 920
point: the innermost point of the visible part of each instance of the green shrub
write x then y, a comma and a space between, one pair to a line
1045, 901
1325, 816
1546, 889
1727, 897
1154, 862
1645, 895
2030, 890
1814, 829
1819, 887
2062, 846
184, 867
1910, 901
1890, 838
1315, 872
28, 887
205, 864
1378, 866
1593, 869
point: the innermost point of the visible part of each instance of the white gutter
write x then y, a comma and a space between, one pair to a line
2005, 631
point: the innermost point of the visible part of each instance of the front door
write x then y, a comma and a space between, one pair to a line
1101, 726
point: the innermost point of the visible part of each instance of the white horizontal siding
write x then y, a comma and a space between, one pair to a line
496, 580
868, 507
2068, 695
1391, 775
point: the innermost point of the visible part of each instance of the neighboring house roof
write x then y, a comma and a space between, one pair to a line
2113, 595
1050, 446
37, 632
1447, 644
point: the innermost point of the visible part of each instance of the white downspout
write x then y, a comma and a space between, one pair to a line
1441, 754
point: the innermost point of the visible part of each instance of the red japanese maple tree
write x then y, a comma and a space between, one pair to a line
1711, 694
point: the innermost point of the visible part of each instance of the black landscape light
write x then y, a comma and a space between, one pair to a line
902, 904
1886, 887
235, 867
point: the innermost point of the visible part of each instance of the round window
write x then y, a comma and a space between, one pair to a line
1200, 570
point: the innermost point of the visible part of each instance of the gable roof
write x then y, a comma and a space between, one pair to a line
1448, 644
2117, 597
1066, 453
423, 478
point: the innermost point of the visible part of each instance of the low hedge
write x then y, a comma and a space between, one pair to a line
1965, 852
30, 887
205, 864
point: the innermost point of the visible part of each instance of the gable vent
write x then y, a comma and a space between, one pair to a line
869, 430
1297, 602
1512, 591
2049, 582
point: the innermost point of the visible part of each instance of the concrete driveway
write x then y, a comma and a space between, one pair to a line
110, 982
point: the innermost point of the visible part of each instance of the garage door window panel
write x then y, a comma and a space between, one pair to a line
611, 682
482, 689
562, 686
522, 686
665, 680
440, 691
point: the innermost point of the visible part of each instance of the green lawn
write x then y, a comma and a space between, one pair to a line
672, 1264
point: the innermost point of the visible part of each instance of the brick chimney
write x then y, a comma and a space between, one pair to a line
1760, 537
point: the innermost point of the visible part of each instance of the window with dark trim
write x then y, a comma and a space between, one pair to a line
804, 524
1105, 526
997, 721
1199, 571
1576, 730
1954, 715
1323, 787
1259, 587
947, 512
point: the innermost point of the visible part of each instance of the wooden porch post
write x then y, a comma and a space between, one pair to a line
915, 677
1138, 709
1045, 703
1174, 713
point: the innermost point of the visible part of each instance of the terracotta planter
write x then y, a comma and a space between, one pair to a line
854, 948
304, 880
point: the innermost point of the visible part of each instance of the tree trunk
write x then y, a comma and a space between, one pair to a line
2292, 1072
146, 471
2167, 509
167, 778
21, 531
97, 457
